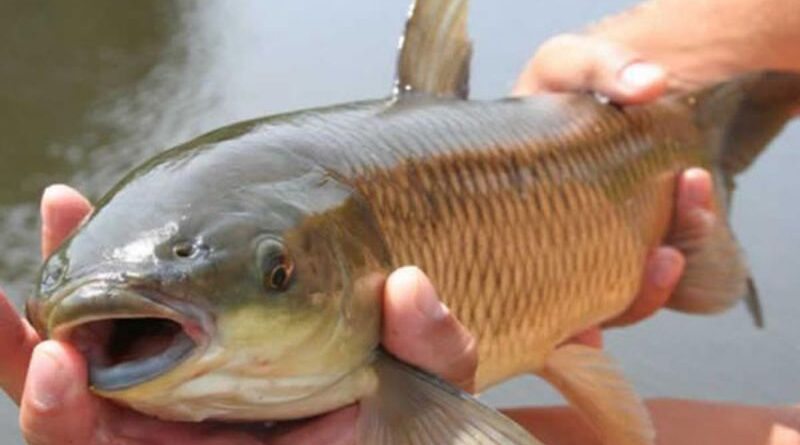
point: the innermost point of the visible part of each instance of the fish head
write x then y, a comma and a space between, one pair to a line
200, 290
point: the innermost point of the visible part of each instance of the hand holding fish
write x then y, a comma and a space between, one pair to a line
632, 58
256, 295
57, 407
693, 214
439, 344
637, 55
574, 62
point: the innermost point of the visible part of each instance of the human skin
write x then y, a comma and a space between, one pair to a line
688, 44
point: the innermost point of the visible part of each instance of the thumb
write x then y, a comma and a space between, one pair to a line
419, 329
57, 407
571, 62
62, 209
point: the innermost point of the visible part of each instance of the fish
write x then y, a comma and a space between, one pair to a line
238, 276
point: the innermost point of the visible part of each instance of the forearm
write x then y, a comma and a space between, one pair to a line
677, 422
698, 40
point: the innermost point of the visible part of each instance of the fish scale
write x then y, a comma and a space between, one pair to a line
518, 233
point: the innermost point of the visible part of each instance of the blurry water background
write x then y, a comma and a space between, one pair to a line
89, 89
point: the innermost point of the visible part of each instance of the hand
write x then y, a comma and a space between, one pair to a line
57, 406
572, 62
589, 63
62, 211
633, 58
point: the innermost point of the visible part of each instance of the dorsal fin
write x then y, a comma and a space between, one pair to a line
435, 50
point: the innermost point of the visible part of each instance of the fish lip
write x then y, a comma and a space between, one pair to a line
103, 301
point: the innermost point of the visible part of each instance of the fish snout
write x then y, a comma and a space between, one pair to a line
128, 336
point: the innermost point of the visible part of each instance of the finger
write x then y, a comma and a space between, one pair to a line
419, 329
583, 63
695, 215
16, 345
662, 275
62, 209
57, 407
694, 204
693, 218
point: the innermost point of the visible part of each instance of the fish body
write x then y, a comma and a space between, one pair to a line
514, 208
239, 276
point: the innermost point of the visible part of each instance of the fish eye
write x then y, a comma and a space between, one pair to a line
187, 249
279, 277
276, 266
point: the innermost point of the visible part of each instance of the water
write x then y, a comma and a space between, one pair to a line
91, 88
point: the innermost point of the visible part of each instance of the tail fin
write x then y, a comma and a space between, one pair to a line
743, 115
740, 118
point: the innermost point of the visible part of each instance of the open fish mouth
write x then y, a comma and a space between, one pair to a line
125, 352
128, 338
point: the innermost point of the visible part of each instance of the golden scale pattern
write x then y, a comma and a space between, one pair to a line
531, 241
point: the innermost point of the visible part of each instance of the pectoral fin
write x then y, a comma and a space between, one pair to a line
594, 385
716, 275
411, 407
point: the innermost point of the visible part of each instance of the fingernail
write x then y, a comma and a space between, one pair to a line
640, 75
49, 196
427, 301
696, 192
55, 191
47, 387
664, 269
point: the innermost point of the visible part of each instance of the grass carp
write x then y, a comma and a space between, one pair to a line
239, 276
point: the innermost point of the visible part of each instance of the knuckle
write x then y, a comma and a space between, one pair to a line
470, 356
544, 63
573, 61
463, 364
562, 42
34, 432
